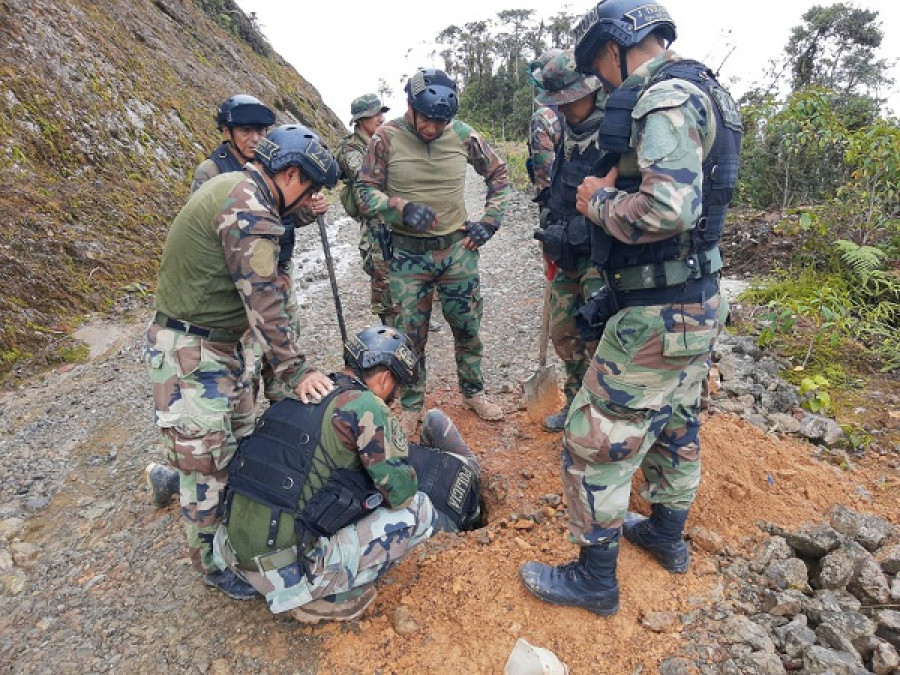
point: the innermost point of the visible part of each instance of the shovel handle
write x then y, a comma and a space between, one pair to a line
545, 326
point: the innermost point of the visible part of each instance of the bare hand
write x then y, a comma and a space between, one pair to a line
318, 204
313, 387
469, 244
589, 187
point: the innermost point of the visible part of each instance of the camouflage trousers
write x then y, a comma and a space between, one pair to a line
354, 557
638, 407
204, 406
261, 373
453, 273
376, 267
568, 291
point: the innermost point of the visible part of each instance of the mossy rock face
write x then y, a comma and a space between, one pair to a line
107, 108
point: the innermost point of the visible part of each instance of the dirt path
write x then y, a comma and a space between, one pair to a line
94, 579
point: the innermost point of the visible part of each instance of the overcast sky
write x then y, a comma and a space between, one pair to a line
343, 47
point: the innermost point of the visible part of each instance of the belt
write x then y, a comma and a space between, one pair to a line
665, 274
211, 334
423, 244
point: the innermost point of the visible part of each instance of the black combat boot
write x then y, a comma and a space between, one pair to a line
660, 534
164, 483
230, 584
589, 583
557, 421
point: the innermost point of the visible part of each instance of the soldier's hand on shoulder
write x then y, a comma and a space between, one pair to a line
313, 387
419, 217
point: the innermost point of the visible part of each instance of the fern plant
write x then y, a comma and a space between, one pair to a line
863, 261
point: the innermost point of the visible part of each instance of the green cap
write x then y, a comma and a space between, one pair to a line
367, 105
558, 81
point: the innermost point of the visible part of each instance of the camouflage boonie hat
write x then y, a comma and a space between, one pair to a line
367, 105
558, 81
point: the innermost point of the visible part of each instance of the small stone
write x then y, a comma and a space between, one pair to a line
404, 622
869, 583
818, 659
885, 659
784, 423
6, 561
813, 540
704, 566
795, 637
785, 574
773, 548
888, 621
220, 667
706, 540
551, 500
661, 622
675, 665
11, 528
24, 554
13, 583
527, 474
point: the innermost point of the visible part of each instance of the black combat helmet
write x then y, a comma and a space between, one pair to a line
383, 346
297, 145
625, 22
433, 94
242, 110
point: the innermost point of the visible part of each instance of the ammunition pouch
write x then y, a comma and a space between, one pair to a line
591, 317
348, 497
564, 241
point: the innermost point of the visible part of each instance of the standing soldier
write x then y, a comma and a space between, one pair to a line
565, 234
544, 134
218, 278
679, 132
243, 121
413, 179
367, 115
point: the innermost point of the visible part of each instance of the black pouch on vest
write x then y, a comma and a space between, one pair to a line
349, 497
553, 238
591, 317
579, 235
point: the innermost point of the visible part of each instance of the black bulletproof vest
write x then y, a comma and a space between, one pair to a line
273, 465
450, 483
720, 166
225, 160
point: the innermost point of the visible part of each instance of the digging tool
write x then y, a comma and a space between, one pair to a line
329, 263
541, 390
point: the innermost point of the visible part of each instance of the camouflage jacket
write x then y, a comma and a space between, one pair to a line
544, 134
219, 269
375, 202
208, 169
365, 426
349, 154
673, 129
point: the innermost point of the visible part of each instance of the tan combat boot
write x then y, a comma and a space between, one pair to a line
483, 407
345, 609
409, 421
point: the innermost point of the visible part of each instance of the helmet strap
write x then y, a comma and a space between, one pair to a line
623, 62
306, 192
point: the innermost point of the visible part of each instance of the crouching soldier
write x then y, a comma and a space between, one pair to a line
323, 498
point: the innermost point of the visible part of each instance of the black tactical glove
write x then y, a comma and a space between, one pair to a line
479, 232
542, 197
419, 217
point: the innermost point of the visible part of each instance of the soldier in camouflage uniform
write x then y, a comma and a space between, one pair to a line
367, 115
639, 404
218, 278
322, 563
544, 134
413, 179
243, 121
564, 234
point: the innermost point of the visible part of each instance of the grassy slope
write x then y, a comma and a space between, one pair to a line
107, 107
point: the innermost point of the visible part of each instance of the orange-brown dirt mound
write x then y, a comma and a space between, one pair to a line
464, 594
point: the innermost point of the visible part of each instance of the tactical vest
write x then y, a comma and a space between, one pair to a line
288, 486
650, 266
226, 162
450, 483
567, 235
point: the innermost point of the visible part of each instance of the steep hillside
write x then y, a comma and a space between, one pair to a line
107, 105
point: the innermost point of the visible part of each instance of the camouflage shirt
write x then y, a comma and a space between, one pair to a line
208, 169
673, 130
365, 426
349, 154
544, 133
372, 188
219, 269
